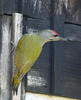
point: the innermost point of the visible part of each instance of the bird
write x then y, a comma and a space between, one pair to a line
28, 50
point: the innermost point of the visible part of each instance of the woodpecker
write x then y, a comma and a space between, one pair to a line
28, 50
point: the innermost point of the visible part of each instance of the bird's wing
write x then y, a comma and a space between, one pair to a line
28, 50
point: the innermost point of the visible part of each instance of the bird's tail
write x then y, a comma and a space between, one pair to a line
15, 83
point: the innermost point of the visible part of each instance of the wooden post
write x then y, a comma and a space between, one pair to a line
6, 58
5, 61
23, 89
17, 33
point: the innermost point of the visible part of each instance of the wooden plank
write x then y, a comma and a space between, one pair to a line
22, 97
35, 24
67, 66
8, 6
1, 7
16, 34
36, 96
42, 8
31, 8
37, 8
72, 62
5, 59
73, 11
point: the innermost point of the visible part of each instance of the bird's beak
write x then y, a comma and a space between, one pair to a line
62, 39
58, 38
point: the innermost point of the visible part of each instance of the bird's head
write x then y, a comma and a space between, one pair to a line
50, 35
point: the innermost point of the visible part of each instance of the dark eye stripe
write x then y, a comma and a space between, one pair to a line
55, 35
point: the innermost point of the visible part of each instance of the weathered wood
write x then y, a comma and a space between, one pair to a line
41, 8
36, 96
72, 62
37, 8
17, 29
66, 61
1, 7
67, 65
7, 7
73, 11
31, 8
17, 32
35, 24
23, 89
5, 59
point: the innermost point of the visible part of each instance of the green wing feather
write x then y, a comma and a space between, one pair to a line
28, 50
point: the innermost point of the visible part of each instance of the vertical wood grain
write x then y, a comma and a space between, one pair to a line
17, 29
5, 61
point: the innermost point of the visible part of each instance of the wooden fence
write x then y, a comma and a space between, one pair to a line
58, 69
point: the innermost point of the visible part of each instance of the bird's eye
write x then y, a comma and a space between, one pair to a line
55, 35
